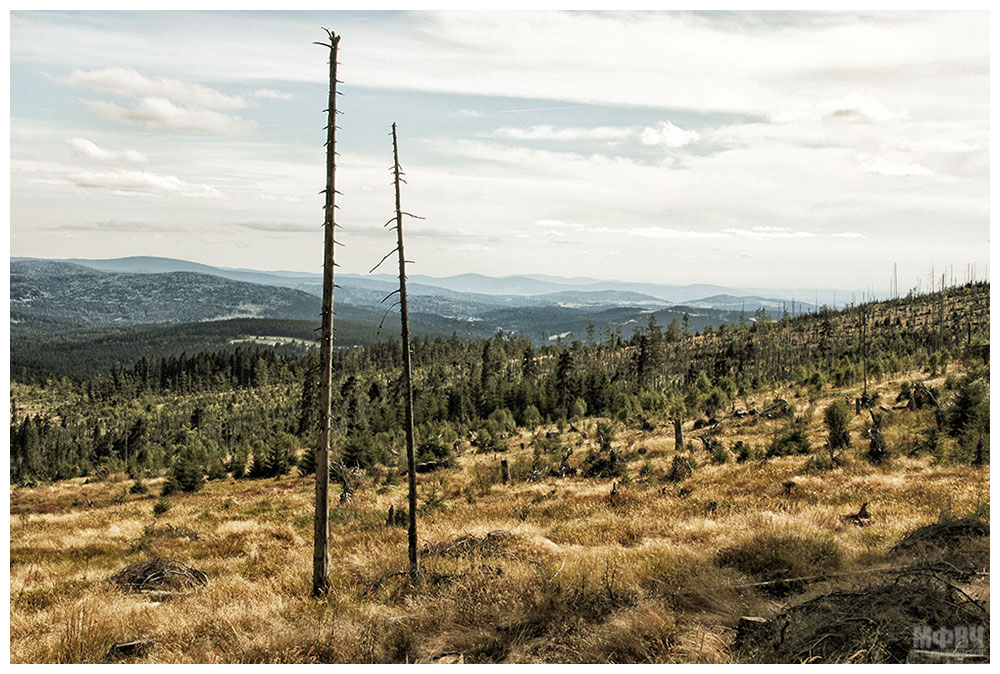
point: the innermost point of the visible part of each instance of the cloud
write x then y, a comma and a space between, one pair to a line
289, 227
122, 182
886, 167
939, 145
768, 232
669, 135
161, 113
273, 95
670, 233
115, 226
86, 149
854, 107
128, 83
857, 107
549, 132
760, 232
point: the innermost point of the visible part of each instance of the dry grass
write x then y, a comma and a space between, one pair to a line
584, 577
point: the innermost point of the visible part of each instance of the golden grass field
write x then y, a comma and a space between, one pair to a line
584, 577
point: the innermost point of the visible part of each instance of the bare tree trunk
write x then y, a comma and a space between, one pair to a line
321, 560
678, 434
411, 469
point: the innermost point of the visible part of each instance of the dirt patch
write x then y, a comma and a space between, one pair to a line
159, 578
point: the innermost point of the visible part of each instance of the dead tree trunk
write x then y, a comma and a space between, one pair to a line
678, 434
404, 321
321, 560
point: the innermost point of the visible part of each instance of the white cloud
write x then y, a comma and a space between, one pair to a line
161, 113
887, 167
122, 182
271, 94
854, 107
768, 233
86, 149
669, 135
549, 132
670, 233
857, 107
128, 83
939, 146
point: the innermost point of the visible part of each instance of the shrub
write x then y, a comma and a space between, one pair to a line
837, 417
531, 417
307, 462
967, 417
795, 440
186, 474
237, 464
745, 452
139, 487
720, 455
161, 506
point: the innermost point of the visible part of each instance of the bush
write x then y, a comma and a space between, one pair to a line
307, 462
968, 416
139, 487
237, 465
501, 423
720, 455
837, 417
795, 440
606, 432
745, 452
187, 473
281, 457
606, 464
531, 417
161, 506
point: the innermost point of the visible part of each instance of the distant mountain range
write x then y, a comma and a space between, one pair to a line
479, 290
81, 315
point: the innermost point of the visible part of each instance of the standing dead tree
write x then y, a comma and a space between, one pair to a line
321, 540
411, 470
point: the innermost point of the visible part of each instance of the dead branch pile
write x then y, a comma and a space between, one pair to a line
955, 547
922, 396
493, 544
872, 625
680, 469
776, 409
160, 577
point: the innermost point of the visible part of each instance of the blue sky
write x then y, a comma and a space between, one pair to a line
751, 149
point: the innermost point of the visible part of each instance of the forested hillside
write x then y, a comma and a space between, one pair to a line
223, 410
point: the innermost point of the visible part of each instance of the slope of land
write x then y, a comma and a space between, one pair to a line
638, 568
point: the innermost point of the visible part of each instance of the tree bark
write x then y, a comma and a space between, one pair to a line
321, 560
411, 468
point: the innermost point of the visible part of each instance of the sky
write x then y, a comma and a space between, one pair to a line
771, 149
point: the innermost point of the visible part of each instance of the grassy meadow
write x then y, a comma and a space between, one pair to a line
582, 574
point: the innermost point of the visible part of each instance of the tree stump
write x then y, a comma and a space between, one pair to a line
129, 649
504, 471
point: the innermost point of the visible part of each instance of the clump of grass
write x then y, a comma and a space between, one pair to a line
777, 557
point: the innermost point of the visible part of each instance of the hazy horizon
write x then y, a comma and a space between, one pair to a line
811, 149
